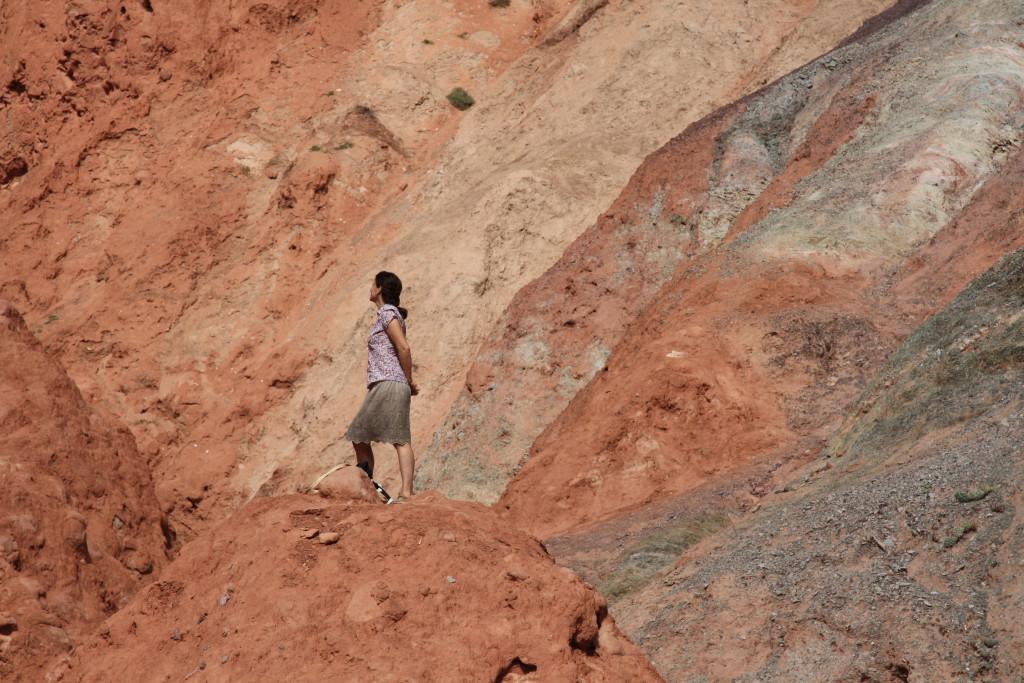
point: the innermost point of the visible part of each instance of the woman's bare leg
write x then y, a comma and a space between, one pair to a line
406, 466
364, 454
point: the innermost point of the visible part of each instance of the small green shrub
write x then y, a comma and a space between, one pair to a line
246, 170
344, 145
499, 3
959, 533
428, 41
970, 497
650, 555
460, 99
51, 318
624, 581
314, 148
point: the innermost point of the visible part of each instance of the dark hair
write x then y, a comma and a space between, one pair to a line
390, 290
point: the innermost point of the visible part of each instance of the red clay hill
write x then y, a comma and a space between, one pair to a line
300, 588
80, 528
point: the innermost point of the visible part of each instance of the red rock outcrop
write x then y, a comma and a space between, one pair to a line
293, 588
80, 528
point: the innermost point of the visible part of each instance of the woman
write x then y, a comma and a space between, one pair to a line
384, 417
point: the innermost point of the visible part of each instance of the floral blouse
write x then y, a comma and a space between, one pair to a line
382, 358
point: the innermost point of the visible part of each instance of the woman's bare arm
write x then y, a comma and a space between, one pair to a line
397, 337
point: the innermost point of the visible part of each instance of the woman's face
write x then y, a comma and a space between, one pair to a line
374, 290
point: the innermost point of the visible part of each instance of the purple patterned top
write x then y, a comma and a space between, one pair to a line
382, 358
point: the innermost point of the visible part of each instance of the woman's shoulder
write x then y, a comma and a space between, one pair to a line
389, 312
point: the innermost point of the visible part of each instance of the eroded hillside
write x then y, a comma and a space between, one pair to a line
200, 194
896, 554
795, 331
741, 291
824, 378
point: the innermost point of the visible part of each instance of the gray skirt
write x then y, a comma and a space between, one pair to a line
384, 417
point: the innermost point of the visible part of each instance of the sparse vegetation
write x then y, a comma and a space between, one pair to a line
499, 3
246, 170
428, 41
460, 99
50, 319
921, 388
344, 146
970, 497
653, 553
959, 534
314, 148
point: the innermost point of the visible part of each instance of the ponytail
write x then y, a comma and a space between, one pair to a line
391, 290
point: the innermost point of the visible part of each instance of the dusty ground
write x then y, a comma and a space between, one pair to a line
431, 590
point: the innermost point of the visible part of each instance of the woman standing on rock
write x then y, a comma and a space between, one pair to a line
384, 417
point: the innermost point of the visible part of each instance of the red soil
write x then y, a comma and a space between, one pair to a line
80, 528
430, 590
716, 376
186, 292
